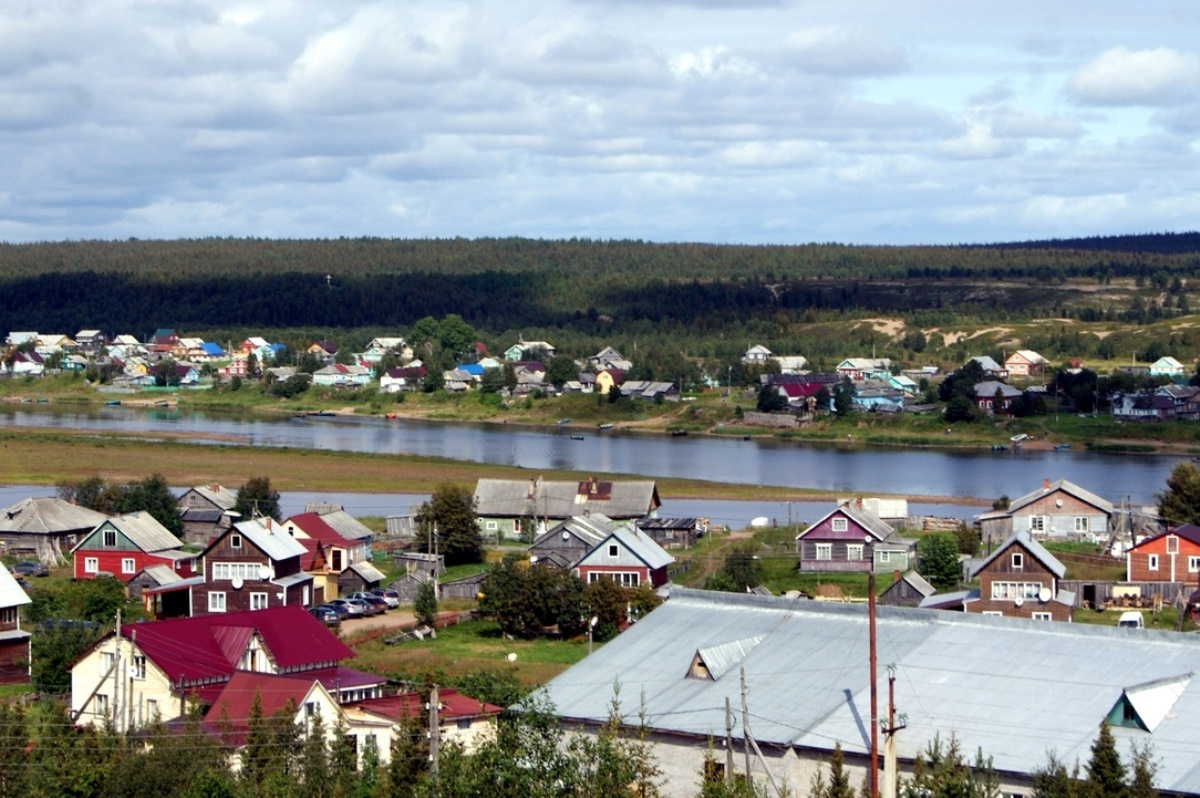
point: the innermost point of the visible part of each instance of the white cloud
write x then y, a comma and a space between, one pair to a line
843, 52
1120, 76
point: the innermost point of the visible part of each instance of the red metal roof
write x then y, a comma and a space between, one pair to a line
409, 705
199, 649
274, 693
315, 527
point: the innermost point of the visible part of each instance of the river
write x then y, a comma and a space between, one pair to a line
848, 470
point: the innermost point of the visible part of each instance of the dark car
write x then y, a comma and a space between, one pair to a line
326, 615
377, 602
341, 610
30, 568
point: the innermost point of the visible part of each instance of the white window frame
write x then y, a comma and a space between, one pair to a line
854, 551
1083, 524
107, 658
491, 526
1172, 544
216, 601
1042, 616
235, 541
1037, 523
838, 524
993, 613
259, 601
128, 565
138, 668
106, 535
1018, 561
1152, 562
824, 551
227, 571
614, 550
1193, 564
102, 706
91, 565
1010, 591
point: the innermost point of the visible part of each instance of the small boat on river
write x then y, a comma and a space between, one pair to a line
678, 433
563, 421
605, 425
576, 437
1058, 447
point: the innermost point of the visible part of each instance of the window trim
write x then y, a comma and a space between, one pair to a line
107, 535
216, 601
128, 565
258, 598
1018, 561
839, 524
1152, 562
91, 565
825, 549
1193, 564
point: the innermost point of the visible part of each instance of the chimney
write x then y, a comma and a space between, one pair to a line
895, 576
1045, 484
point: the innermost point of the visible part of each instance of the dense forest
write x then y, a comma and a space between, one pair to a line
590, 287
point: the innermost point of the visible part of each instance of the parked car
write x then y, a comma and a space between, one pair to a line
341, 610
326, 615
354, 607
387, 594
370, 598
30, 568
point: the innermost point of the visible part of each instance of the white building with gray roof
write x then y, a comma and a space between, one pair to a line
1011, 688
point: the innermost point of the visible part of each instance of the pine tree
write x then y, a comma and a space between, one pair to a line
1106, 776
1144, 769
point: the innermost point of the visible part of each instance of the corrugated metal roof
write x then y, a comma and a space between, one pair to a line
367, 571
141, 529
346, 525
537, 498
11, 594
724, 657
47, 515
270, 538
1066, 487
1037, 550
640, 545
1011, 687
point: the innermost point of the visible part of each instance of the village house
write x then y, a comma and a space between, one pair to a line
254, 565
757, 355
802, 666
674, 533
1170, 556
844, 539
45, 528
90, 342
1166, 367
857, 369
122, 546
338, 375
990, 367
525, 350
146, 672
462, 720
402, 378
986, 397
609, 358
627, 557
324, 351
15, 655
508, 508
206, 511
908, 590
378, 347
1060, 509
565, 543
1020, 580
347, 566
1025, 363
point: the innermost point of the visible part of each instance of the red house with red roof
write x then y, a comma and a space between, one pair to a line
1172, 556
151, 671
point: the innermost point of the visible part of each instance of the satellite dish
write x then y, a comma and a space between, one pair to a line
236, 582
1044, 595
133, 672
264, 572
1019, 601
1058, 502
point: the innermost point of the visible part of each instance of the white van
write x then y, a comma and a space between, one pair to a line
1131, 620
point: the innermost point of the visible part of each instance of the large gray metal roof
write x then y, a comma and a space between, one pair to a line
47, 515
1014, 688
538, 498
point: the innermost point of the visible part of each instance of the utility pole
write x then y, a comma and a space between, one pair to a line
746, 737
890, 783
874, 688
728, 742
434, 730
117, 673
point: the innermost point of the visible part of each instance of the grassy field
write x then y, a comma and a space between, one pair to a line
467, 648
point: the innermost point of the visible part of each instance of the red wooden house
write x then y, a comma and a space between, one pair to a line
627, 557
255, 565
124, 545
1172, 556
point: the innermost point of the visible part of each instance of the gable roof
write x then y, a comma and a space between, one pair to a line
453, 706
267, 536
141, 529
916, 582
811, 679
47, 515
591, 529
1189, 532
636, 543
275, 694
1035, 549
343, 523
221, 496
517, 498
1065, 486
314, 527
11, 593
870, 522
205, 648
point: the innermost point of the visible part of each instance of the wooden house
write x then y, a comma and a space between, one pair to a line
843, 540
124, 545
674, 533
255, 565
627, 557
45, 528
566, 543
1171, 556
206, 511
14, 641
1025, 363
1060, 509
1020, 580
508, 508
908, 590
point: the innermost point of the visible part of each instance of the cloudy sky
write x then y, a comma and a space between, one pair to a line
743, 121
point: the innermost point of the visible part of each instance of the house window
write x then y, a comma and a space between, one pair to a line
216, 601
1152, 562
1018, 561
235, 570
128, 565
337, 560
1193, 564
854, 551
491, 526
593, 577
139, 666
101, 704
235, 541
884, 556
1172, 544
839, 525
305, 597
110, 538
463, 724
151, 710
995, 613
1082, 523
629, 580
1042, 616
612, 550
1037, 523
258, 601
91, 565
1016, 590
824, 551
107, 659
311, 709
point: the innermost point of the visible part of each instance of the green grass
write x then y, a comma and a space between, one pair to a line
1165, 619
472, 646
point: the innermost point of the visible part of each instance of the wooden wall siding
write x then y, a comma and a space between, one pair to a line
901, 594
1030, 571
838, 561
1027, 609
14, 661
625, 559
1171, 567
